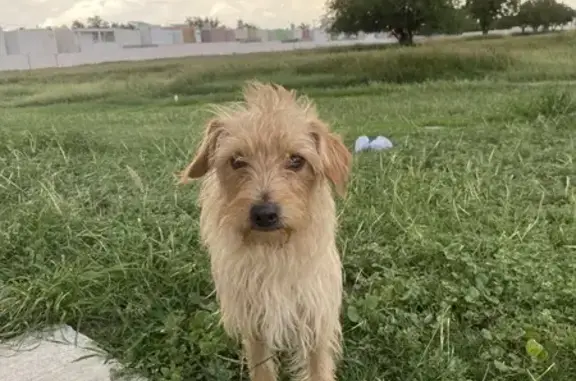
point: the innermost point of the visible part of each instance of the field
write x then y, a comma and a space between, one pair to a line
459, 244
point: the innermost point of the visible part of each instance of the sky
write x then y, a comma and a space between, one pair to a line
263, 13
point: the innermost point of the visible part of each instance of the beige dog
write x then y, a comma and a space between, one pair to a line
268, 220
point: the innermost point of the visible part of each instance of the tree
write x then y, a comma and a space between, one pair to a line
560, 14
545, 14
402, 18
455, 21
97, 22
486, 11
77, 24
506, 22
325, 22
201, 23
119, 25
527, 16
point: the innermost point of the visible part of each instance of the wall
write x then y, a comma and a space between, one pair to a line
164, 36
37, 41
3, 51
280, 34
11, 40
128, 37
110, 52
188, 35
14, 62
178, 35
320, 36
241, 34
145, 36
33, 48
87, 44
104, 53
218, 35
66, 41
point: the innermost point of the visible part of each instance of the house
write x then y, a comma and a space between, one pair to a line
251, 34
30, 41
96, 38
220, 34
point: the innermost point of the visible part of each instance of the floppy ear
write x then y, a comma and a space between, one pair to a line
203, 158
336, 159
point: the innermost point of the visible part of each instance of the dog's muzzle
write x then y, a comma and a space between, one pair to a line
265, 216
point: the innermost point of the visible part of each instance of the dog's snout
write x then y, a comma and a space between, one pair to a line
265, 216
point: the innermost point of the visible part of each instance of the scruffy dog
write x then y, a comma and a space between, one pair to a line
268, 220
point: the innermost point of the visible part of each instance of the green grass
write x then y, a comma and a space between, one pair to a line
458, 244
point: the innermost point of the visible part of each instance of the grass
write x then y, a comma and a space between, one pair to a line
458, 244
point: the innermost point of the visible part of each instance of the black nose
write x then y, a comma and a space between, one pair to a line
265, 216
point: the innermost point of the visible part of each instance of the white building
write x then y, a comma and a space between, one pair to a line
30, 41
153, 35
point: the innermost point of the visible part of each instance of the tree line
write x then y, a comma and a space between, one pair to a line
405, 18
96, 22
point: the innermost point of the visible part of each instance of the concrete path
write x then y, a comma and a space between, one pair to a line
60, 354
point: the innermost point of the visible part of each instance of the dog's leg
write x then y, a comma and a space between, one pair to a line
261, 361
321, 364
318, 364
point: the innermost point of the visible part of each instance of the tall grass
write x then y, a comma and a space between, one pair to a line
523, 59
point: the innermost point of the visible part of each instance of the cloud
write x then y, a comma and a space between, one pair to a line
264, 13
107, 9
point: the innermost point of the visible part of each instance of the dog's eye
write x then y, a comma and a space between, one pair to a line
296, 162
237, 163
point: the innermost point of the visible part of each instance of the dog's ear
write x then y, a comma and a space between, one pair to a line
202, 161
336, 158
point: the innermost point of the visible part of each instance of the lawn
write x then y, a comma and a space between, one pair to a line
458, 244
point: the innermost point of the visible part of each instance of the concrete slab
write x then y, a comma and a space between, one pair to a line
433, 127
59, 354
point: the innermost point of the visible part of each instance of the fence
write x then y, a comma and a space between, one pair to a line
38, 61
115, 53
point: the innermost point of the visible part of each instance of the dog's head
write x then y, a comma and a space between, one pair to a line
269, 156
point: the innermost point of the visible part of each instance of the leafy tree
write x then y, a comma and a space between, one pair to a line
487, 11
325, 22
77, 24
455, 21
201, 23
506, 22
545, 14
402, 18
96, 22
119, 25
527, 16
560, 15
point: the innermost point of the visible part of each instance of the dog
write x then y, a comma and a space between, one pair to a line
268, 221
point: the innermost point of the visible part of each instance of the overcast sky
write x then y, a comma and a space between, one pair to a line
264, 13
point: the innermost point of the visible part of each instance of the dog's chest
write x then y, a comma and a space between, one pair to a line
262, 293
278, 303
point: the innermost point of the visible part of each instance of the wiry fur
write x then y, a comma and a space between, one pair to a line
280, 290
